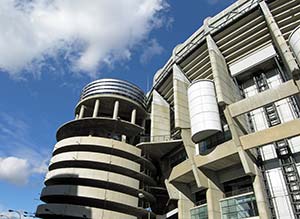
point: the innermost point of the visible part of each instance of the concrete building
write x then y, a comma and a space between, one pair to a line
218, 135
96, 171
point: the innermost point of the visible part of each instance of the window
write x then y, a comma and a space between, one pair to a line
243, 206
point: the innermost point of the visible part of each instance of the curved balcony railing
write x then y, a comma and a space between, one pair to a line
114, 86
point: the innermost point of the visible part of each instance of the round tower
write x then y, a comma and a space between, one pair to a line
96, 171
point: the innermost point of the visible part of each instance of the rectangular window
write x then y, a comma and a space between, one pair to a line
242, 206
199, 212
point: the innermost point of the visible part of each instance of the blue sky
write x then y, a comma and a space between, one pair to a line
50, 49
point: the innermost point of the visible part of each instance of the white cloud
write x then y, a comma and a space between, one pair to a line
14, 170
19, 157
89, 33
153, 48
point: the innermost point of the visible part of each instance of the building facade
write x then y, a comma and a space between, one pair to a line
216, 137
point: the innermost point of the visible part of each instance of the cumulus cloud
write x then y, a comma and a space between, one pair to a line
89, 34
19, 156
153, 48
14, 170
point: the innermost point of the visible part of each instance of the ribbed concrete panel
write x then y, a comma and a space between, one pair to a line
197, 64
282, 11
166, 90
243, 37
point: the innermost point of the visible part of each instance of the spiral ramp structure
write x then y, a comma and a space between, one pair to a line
96, 171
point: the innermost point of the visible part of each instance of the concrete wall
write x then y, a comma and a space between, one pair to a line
160, 116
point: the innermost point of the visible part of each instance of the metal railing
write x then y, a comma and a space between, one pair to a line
157, 138
239, 191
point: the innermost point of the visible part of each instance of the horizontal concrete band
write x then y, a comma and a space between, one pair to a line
88, 126
91, 156
284, 90
96, 178
92, 197
77, 211
78, 191
271, 135
93, 175
103, 166
103, 142
103, 145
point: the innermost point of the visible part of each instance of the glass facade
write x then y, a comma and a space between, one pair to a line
177, 157
199, 212
242, 206
211, 142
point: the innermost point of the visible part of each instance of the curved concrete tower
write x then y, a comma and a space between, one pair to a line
96, 171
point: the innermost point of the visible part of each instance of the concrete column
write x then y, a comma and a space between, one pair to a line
123, 138
213, 196
81, 112
279, 41
236, 132
116, 110
96, 108
250, 168
200, 178
260, 195
76, 116
184, 206
133, 116
144, 124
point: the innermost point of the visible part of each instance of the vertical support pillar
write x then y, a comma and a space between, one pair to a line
133, 116
279, 41
184, 206
76, 116
96, 108
213, 196
236, 132
260, 195
116, 110
249, 167
200, 178
81, 112
123, 138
